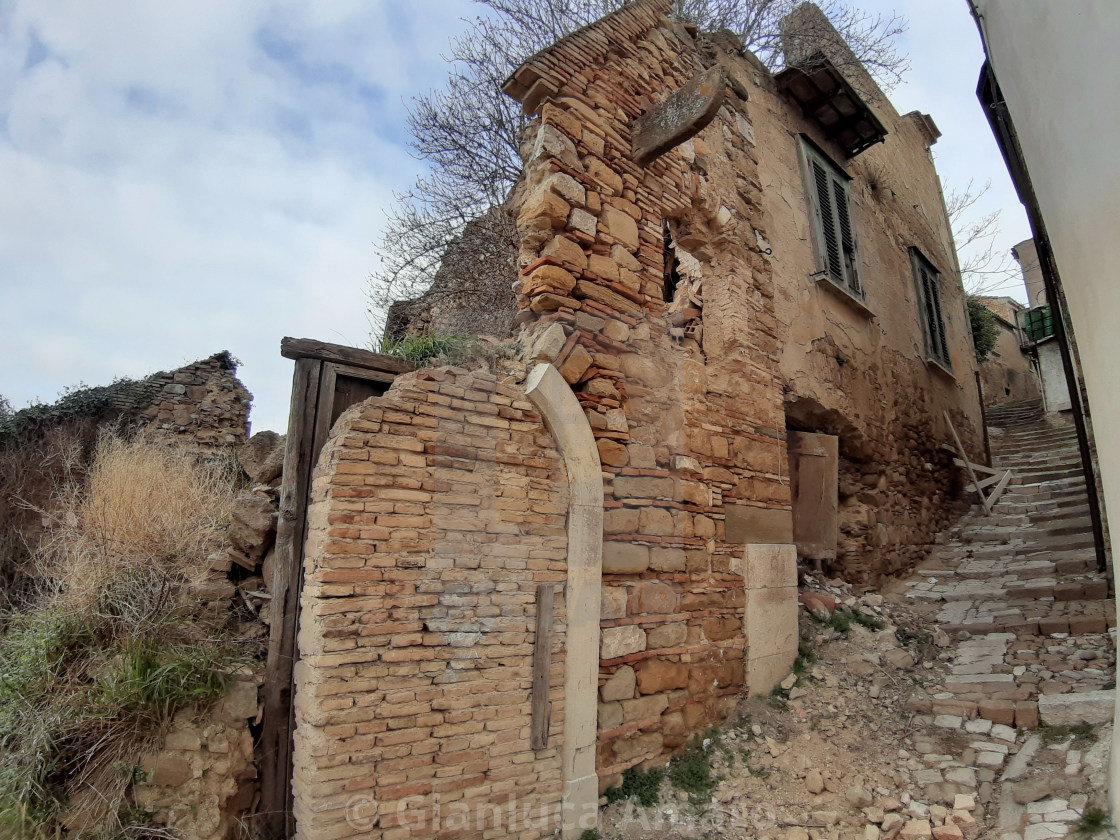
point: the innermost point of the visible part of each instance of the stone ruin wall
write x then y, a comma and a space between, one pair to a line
689, 428
203, 402
436, 512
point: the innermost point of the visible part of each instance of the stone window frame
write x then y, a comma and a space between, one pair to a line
931, 310
840, 263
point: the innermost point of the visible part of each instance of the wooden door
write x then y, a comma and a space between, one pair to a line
328, 379
814, 482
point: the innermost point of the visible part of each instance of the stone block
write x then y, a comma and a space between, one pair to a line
644, 708
770, 566
656, 522
610, 716
720, 629
547, 346
1089, 707
566, 250
241, 701
747, 524
658, 675
166, 770
614, 454
653, 597
667, 559
1026, 714
666, 636
620, 227
643, 487
613, 602
621, 641
639, 746
997, 711
620, 686
576, 365
620, 558
551, 276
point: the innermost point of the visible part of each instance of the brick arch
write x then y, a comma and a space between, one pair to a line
437, 510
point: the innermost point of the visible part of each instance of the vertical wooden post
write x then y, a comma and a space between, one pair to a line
542, 661
276, 735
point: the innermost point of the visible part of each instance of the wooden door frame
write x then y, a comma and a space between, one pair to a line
317, 367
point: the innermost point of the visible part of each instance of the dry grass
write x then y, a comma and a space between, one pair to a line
94, 670
148, 516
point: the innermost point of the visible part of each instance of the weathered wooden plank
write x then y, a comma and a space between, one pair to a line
989, 502
987, 482
309, 348
977, 467
964, 455
542, 661
276, 735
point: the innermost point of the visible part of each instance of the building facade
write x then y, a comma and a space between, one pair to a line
741, 340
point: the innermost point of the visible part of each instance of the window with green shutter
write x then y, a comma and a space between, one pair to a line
832, 221
928, 281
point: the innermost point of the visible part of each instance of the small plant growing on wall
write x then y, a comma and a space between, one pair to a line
985, 328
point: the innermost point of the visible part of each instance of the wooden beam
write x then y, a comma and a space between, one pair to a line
276, 736
964, 455
309, 348
977, 467
542, 666
987, 482
989, 503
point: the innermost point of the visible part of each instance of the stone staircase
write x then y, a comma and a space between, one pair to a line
1022, 581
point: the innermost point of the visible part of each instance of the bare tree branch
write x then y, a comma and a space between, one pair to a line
468, 133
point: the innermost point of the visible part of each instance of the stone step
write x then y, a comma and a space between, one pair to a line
1028, 618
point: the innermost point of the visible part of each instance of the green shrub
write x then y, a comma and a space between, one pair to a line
153, 684
640, 786
692, 771
436, 348
985, 328
1093, 822
868, 621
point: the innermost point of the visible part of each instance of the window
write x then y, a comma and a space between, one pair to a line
834, 233
928, 282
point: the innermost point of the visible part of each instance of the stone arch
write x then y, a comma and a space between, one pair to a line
562, 414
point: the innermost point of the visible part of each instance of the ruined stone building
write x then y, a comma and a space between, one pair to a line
741, 329
1009, 374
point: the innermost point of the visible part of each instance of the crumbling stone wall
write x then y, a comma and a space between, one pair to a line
436, 512
689, 423
689, 392
203, 401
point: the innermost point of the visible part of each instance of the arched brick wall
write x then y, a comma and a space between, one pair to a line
436, 512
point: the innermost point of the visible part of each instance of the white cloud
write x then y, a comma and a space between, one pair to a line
184, 179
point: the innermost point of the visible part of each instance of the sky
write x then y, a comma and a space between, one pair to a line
179, 179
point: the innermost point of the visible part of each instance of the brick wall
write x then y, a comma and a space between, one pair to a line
686, 423
436, 512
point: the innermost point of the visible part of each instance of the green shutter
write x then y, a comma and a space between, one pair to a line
847, 241
836, 238
822, 180
933, 319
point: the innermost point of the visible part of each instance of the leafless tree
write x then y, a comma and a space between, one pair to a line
986, 268
468, 133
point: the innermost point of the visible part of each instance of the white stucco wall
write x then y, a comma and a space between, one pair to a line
1057, 65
